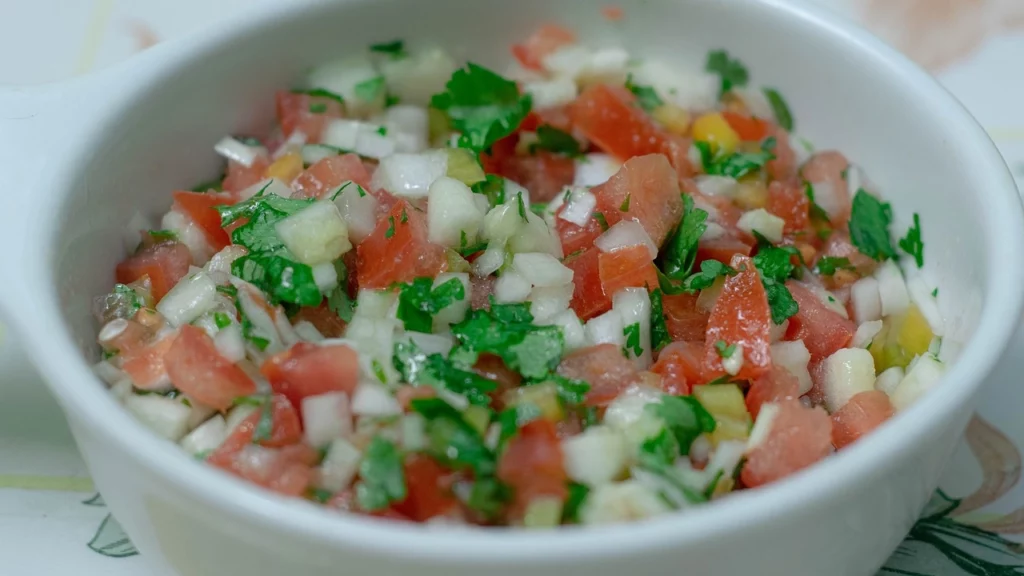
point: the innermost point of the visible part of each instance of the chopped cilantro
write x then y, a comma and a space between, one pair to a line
869, 226
283, 280
657, 455
451, 439
506, 330
381, 476
522, 207
680, 251
737, 164
779, 107
554, 140
488, 497
163, 235
317, 108
319, 495
418, 302
685, 418
570, 391
493, 187
338, 301
512, 419
776, 266
816, 211
632, 334
724, 350
710, 270
482, 105
228, 290
382, 130
732, 72
660, 336
369, 90
215, 185
828, 265
538, 208
710, 490
321, 93
624, 207
601, 221
646, 96
912, 243
221, 319
574, 502
391, 227
391, 100
378, 371
395, 49
434, 370
935, 293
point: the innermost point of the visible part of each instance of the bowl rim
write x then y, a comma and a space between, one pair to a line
68, 374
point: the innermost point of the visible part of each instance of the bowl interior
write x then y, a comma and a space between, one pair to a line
843, 94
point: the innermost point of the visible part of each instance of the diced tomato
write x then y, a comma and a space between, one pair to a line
147, 366
285, 427
748, 128
612, 13
548, 39
326, 322
588, 296
164, 263
532, 465
575, 238
604, 367
677, 149
645, 189
493, 159
132, 338
305, 113
839, 245
286, 470
723, 249
198, 370
398, 250
428, 493
493, 368
680, 367
825, 172
789, 202
798, 437
741, 316
608, 117
544, 174
385, 202
308, 369
240, 177
685, 320
783, 167
328, 174
860, 415
630, 267
482, 289
822, 329
776, 385
201, 208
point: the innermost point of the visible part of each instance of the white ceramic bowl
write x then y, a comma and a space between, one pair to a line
79, 159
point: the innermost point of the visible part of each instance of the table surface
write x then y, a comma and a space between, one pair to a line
52, 521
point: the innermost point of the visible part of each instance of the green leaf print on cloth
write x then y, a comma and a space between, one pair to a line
110, 539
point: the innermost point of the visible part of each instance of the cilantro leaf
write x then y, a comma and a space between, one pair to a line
656, 456
632, 334
338, 301
779, 107
391, 227
680, 251
381, 476
776, 266
317, 108
488, 497
684, 417
259, 235
780, 301
816, 211
912, 243
725, 350
163, 235
869, 226
506, 331
710, 270
660, 336
737, 164
482, 105
493, 187
554, 140
570, 391
369, 90
624, 207
574, 502
434, 370
395, 49
221, 319
418, 302
451, 439
601, 221
321, 93
732, 72
646, 96
828, 265
283, 280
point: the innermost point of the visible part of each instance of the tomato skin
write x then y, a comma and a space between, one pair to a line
198, 370
748, 128
546, 40
629, 267
822, 329
164, 263
859, 416
603, 367
608, 117
532, 465
652, 189
776, 385
543, 173
294, 113
588, 296
398, 251
575, 238
147, 365
240, 177
201, 207
308, 369
789, 202
680, 367
741, 316
799, 436
428, 495
684, 319
329, 173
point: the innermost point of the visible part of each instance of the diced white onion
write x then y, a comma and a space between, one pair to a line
921, 295
725, 458
326, 417
511, 287
579, 207
889, 379
371, 143
595, 169
624, 234
892, 290
708, 296
541, 270
634, 306
108, 372
490, 261
339, 466
551, 93
776, 332
431, 343
605, 329
410, 175
343, 77
828, 299
717, 186
572, 329
833, 201
606, 66
535, 236
230, 343
193, 296
414, 432
414, 79
865, 300
374, 400
206, 437
713, 231
453, 218
268, 186
263, 324
374, 339
734, 362
190, 234
313, 153
307, 331
546, 302
865, 333
376, 304
763, 425
760, 220
325, 276
628, 414
922, 375
221, 261
621, 502
294, 143
567, 61
409, 125
596, 456
132, 233
165, 416
358, 208
848, 372
236, 151
340, 133
316, 234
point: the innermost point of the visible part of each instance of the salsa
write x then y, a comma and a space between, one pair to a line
593, 288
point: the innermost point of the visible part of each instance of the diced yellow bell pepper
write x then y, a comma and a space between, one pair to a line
915, 335
674, 118
885, 348
464, 167
722, 400
729, 428
715, 130
751, 195
285, 168
438, 127
478, 417
456, 263
544, 396
724, 486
